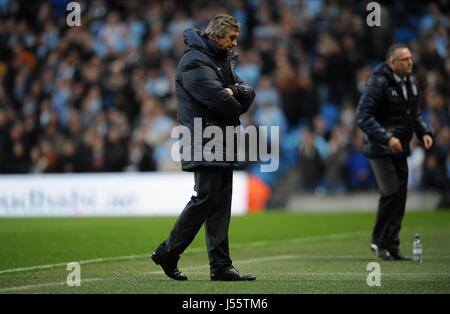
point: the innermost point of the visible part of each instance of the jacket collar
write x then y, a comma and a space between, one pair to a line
195, 41
384, 69
398, 79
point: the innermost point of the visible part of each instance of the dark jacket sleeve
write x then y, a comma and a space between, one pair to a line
367, 107
245, 95
202, 83
420, 127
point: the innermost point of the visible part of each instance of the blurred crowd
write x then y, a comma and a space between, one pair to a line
100, 97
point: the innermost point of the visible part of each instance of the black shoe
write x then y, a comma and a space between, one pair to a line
397, 256
230, 274
381, 253
169, 266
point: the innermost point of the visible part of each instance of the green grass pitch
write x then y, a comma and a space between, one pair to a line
289, 253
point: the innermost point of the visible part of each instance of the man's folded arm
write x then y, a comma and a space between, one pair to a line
245, 94
202, 83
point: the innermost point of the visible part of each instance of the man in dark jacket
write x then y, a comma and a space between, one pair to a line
209, 94
388, 114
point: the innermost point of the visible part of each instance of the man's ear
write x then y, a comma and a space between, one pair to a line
214, 39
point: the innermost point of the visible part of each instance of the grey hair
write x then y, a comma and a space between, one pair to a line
220, 25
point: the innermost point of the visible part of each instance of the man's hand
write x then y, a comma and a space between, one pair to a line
427, 141
230, 91
395, 145
234, 90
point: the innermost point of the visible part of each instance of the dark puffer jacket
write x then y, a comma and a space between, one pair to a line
383, 112
202, 75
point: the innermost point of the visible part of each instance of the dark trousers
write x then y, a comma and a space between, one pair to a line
391, 174
211, 206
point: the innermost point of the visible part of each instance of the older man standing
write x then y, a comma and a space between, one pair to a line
388, 114
208, 90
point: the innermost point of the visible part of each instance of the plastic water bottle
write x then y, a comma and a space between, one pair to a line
417, 249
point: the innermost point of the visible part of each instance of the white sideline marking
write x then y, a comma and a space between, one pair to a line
333, 236
49, 284
341, 274
62, 283
244, 261
239, 262
89, 261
